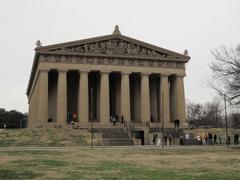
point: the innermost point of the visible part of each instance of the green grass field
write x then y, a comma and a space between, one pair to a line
120, 163
61, 153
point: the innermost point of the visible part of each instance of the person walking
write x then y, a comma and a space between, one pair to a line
234, 139
154, 138
228, 140
220, 139
199, 140
170, 139
210, 138
215, 139
205, 139
237, 138
165, 139
181, 140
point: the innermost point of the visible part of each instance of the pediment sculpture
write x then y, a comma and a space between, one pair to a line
113, 47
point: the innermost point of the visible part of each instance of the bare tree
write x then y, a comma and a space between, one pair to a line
194, 111
208, 114
234, 120
226, 73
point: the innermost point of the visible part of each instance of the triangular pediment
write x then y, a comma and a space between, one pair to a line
115, 45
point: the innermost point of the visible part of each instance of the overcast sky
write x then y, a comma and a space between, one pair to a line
198, 26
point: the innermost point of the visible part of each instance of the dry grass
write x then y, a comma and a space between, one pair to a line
122, 163
71, 161
44, 137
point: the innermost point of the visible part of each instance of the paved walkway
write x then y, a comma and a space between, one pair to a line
28, 148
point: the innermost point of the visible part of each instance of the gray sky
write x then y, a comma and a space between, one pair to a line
198, 26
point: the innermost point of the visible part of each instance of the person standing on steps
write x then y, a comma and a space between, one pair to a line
114, 120
74, 116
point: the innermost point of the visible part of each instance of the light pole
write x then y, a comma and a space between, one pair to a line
91, 116
162, 120
226, 124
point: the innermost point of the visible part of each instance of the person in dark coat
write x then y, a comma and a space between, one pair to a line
181, 141
215, 139
237, 138
210, 139
228, 140
170, 139
165, 139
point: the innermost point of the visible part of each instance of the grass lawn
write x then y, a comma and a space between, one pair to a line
44, 137
120, 163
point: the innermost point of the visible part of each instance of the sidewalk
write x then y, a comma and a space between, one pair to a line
27, 148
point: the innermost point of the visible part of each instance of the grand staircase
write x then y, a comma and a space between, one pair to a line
113, 137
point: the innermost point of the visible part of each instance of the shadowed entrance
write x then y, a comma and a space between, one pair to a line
94, 95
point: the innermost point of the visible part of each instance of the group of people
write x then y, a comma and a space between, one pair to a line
114, 119
214, 139
71, 118
208, 139
202, 139
167, 139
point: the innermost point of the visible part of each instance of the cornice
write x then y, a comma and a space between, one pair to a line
109, 56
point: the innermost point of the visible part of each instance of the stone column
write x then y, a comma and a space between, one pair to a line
125, 96
43, 97
164, 101
104, 98
179, 100
62, 97
145, 98
83, 109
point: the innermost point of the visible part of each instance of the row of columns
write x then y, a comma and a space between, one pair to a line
177, 99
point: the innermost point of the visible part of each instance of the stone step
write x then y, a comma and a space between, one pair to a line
114, 137
118, 142
110, 133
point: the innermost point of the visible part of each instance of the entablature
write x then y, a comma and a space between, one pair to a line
46, 57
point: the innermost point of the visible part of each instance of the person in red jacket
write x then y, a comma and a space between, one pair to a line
74, 116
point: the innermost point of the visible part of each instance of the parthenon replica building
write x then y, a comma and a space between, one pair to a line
107, 76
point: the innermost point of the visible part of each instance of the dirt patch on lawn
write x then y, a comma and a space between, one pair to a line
4, 160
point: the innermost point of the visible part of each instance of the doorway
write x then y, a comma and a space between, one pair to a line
140, 135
